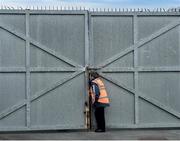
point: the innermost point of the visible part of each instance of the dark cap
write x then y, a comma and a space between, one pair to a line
94, 74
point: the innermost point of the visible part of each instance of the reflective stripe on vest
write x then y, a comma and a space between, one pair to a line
103, 98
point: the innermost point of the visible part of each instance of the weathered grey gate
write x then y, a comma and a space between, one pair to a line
43, 60
138, 55
42, 75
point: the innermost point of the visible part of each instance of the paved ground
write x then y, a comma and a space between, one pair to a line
83, 135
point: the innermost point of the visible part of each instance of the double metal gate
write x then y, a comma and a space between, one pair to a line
43, 61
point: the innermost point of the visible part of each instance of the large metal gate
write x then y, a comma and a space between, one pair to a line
42, 70
44, 56
138, 55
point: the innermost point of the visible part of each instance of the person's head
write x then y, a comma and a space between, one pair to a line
93, 75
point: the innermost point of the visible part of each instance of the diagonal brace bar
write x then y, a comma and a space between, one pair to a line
38, 45
54, 53
140, 43
43, 92
55, 85
121, 85
145, 97
12, 109
160, 105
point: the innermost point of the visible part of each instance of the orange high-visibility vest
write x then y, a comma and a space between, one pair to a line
103, 98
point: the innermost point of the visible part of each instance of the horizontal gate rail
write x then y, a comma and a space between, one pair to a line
141, 69
139, 44
36, 128
105, 13
55, 69
158, 69
68, 69
147, 125
145, 97
40, 69
118, 69
45, 12
12, 69
130, 126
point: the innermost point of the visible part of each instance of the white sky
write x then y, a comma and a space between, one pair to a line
95, 3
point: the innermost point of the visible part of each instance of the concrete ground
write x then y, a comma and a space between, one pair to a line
146, 134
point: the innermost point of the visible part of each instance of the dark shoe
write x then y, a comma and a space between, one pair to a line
99, 130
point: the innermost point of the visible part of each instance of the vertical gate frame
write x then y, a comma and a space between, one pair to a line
27, 56
91, 49
87, 56
91, 62
135, 40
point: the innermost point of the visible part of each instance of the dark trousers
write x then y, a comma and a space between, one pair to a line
100, 119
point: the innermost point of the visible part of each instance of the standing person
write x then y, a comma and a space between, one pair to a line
99, 100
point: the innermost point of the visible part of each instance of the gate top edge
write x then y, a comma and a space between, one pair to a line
92, 10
